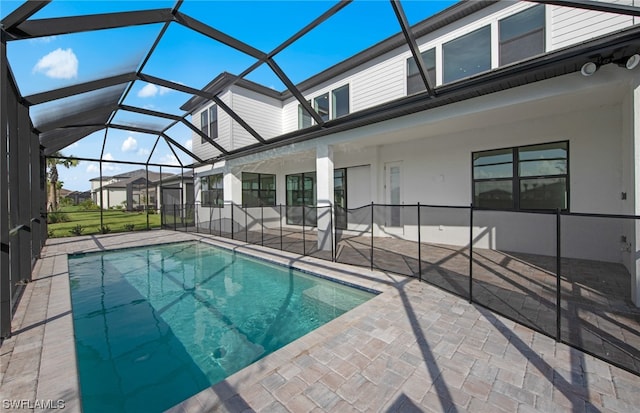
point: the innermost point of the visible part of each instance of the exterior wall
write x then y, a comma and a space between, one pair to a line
571, 26
261, 112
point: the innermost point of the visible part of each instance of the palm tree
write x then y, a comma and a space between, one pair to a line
53, 161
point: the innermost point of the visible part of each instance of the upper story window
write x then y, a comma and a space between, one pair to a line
522, 35
414, 81
523, 178
212, 191
328, 105
467, 55
209, 122
321, 105
204, 124
213, 122
340, 102
304, 118
258, 189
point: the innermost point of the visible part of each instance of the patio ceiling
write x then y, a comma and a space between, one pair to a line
65, 115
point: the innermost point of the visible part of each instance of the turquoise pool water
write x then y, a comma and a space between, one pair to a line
156, 325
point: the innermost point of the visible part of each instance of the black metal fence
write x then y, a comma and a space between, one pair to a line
562, 274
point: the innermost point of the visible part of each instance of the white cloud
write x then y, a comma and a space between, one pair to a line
188, 144
93, 168
149, 90
107, 157
59, 64
143, 152
130, 144
45, 40
169, 159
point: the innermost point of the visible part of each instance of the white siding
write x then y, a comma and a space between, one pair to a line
571, 26
261, 112
382, 81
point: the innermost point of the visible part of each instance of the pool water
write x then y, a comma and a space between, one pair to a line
156, 325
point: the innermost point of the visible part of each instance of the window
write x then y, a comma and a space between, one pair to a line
414, 81
258, 189
321, 105
304, 118
333, 108
340, 102
524, 178
522, 35
301, 191
467, 55
213, 122
212, 194
204, 124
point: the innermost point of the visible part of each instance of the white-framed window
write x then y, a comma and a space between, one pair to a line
467, 55
329, 105
414, 81
212, 191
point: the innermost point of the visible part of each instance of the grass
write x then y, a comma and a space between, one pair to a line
89, 220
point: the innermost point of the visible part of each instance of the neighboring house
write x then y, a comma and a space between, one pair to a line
78, 197
514, 124
129, 190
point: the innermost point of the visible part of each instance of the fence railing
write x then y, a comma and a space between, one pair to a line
66, 223
563, 274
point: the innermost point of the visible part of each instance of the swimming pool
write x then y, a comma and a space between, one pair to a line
155, 325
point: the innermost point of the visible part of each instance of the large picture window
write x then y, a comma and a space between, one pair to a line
414, 81
522, 35
301, 191
258, 189
524, 178
467, 55
340, 102
212, 191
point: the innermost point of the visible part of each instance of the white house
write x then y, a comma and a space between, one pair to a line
535, 107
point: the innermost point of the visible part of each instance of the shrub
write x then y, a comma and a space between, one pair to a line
77, 230
57, 216
50, 233
105, 229
129, 227
89, 204
152, 211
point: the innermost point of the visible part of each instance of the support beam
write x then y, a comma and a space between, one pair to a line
325, 196
182, 148
150, 112
294, 91
203, 136
206, 95
77, 24
5, 276
22, 13
413, 45
217, 35
24, 195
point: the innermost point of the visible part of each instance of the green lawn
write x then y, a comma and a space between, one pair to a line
90, 221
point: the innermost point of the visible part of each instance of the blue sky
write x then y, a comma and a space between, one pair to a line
187, 57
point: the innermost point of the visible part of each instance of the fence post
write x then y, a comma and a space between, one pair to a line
220, 217
558, 280
196, 218
419, 247
371, 257
232, 222
304, 239
210, 218
246, 227
262, 225
175, 224
333, 231
471, 253
280, 213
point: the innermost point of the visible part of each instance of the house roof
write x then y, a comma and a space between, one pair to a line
138, 176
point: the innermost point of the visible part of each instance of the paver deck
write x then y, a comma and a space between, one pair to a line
413, 347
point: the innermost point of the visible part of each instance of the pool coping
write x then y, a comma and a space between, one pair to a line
50, 351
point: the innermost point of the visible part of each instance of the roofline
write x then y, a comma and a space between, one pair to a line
441, 19
564, 61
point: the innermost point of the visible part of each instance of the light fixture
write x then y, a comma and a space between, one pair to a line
632, 61
588, 68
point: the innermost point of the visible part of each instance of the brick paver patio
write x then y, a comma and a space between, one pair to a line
413, 347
